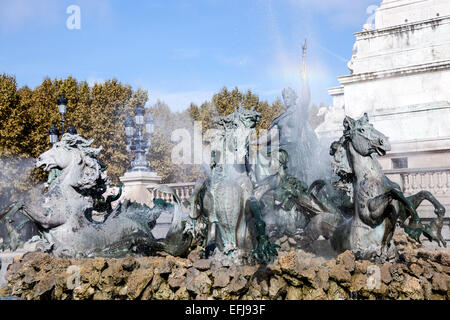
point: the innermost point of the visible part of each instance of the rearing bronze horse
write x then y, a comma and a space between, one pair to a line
379, 203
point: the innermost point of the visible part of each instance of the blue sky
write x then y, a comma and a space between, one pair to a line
180, 50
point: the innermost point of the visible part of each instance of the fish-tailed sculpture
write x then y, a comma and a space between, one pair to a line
63, 215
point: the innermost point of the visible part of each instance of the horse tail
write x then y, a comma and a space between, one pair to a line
176, 241
316, 186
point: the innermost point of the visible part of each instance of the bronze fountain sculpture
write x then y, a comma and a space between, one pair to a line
63, 214
232, 207
379, 203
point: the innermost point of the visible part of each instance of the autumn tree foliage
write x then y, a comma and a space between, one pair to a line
26, 114
226, 101
98, 113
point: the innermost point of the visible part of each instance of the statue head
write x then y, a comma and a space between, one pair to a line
235, 130
248, 118
77, 160
289, 97
240, 117
284, 158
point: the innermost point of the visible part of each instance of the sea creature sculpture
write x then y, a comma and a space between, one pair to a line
63, 214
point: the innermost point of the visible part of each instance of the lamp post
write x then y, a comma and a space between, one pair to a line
137, 142
72, 130
54, 135
149, 124
53, 132
62, 103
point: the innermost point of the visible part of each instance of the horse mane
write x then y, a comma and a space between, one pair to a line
91, 169
341, 165
237, 117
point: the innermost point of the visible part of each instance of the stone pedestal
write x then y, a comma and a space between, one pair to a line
135, 184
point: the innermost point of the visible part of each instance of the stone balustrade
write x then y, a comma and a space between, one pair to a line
412, 180
436, 180
183, 190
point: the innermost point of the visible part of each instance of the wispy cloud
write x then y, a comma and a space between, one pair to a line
15, 15
326, 5
330, 52
284, 69
289, 69
286, 72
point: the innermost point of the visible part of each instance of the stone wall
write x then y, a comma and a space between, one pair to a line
295, 275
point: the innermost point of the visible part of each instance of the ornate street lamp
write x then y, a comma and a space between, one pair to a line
139, 113
72, 130
62, 103
53, 134
129, 127
149, 124
137, 142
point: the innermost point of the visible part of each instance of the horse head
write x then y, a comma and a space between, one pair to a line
232, 142
246, 118
365, 139
58, 157
75, 158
